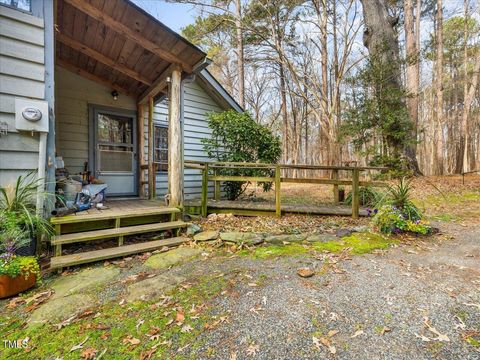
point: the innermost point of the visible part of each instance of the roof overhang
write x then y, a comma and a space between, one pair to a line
119, 45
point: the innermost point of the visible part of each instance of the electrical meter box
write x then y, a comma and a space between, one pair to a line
31, 115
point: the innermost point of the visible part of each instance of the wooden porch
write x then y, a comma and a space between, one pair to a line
121, 219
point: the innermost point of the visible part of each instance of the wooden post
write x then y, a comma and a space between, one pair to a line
217, 186
336, 195
278, 200
151, 174
204, 190
355, 193
141, 149
175, 158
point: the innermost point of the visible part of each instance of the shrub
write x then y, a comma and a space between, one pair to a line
390, 219
368, 196
236, 137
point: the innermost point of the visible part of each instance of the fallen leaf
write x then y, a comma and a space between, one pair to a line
180, 317
147, 354
186, 329
357, 333
131, 340
79, 346
89, 353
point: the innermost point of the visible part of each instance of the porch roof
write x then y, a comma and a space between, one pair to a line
117, 44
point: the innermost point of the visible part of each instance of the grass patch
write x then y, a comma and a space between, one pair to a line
358, 243
115, 324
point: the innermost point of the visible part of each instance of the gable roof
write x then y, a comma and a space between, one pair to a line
211, 85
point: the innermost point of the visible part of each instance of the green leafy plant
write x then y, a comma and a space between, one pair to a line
368, 196
20, 266
236, 137
20, 199
399, 196
389, 219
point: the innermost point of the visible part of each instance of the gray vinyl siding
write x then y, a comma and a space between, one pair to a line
197, 103
73, 94
22, 74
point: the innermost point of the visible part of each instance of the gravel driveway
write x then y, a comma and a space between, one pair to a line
413, 302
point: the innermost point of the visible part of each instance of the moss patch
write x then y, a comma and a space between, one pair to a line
116, 324
358, 243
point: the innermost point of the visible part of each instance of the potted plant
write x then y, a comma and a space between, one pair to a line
18, 203
17, 273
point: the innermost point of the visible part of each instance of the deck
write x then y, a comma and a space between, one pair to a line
251, 208
114, 208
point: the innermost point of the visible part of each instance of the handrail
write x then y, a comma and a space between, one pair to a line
218, 164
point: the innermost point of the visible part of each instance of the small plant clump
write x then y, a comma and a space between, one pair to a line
367, 195
399, 214
13, 266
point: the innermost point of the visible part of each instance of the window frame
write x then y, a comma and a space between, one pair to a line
163, 170
19, 9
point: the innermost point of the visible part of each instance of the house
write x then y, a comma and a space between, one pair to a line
126, 95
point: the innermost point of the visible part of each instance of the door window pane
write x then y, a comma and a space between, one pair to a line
19, 4
114, 129
120, 160
161, 147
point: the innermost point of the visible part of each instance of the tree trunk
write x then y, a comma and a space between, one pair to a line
438, 106
240, 56
381, 41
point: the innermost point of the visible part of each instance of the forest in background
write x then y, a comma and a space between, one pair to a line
379, 82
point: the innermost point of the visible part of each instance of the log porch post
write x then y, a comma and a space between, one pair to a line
151, 174
175, 158
141, 149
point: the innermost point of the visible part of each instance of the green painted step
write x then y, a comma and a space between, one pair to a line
116, 232
59, 262
70, 219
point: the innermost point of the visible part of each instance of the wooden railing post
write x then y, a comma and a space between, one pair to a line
217, 186
336, 194
355, 193
204, 190
278, 200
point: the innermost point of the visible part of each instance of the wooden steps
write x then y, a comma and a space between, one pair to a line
59, 262
115, 232
125, 218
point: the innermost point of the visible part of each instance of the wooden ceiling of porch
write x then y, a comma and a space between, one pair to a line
115, 43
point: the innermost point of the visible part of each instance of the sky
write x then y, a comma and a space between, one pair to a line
174, 15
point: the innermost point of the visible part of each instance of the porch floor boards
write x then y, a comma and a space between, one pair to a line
239, 207
118, 208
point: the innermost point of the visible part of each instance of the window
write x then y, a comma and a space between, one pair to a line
161, 147
18, 4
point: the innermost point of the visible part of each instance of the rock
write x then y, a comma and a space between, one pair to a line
360, 229
305, 272
152, 287
83, 281
242, 237
206, 235
343, 232
280, 239
321, 238
171, 257
193, 229
60, 308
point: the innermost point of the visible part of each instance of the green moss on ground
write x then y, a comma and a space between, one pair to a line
358, 243
116, 323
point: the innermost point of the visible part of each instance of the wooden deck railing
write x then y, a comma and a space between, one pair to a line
354, 182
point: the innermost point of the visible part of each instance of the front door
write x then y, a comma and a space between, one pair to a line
115, 150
